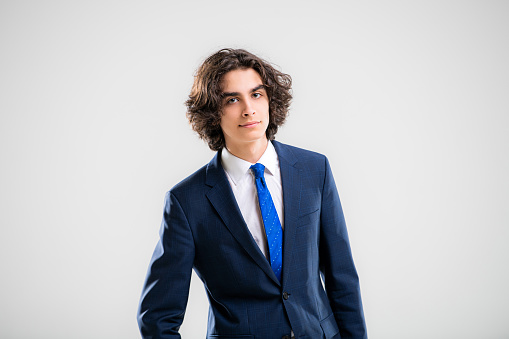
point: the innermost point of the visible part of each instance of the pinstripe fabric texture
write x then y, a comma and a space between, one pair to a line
271, 221
203, 229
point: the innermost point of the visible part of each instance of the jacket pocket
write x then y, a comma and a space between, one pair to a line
309, 218
330, 327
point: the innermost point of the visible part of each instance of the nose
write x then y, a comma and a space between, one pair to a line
248, 110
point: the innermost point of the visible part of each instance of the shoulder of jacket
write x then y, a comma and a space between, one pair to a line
191, 182
300, 154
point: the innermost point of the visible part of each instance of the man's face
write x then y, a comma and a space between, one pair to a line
245, 110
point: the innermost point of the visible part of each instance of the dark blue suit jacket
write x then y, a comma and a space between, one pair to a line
203, 229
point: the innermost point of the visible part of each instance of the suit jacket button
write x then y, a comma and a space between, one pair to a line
285, 296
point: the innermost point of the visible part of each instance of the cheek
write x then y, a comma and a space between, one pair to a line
267, 115
226, 119
263, 108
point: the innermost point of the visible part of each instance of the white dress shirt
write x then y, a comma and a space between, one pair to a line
242, 182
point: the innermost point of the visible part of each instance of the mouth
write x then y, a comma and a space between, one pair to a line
250, 124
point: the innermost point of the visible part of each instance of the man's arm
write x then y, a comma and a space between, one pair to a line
164, 298
337, 266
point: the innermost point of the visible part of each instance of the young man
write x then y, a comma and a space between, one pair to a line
259, 224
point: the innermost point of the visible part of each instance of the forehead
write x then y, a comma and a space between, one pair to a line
241, 80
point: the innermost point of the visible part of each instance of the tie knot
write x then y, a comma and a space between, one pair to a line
258, 170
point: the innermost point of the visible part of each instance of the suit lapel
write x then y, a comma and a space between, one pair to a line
291, 181
222, 199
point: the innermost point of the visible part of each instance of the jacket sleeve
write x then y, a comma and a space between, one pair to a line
164, 298
337, 266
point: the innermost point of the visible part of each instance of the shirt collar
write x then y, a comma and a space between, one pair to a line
238, 168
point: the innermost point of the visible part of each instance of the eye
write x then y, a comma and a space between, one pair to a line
257, 95
232, 100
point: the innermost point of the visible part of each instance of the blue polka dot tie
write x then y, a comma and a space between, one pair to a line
270, 221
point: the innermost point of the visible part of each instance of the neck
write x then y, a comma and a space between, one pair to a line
251, 152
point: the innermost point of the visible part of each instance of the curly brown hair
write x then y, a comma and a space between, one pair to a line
205, 100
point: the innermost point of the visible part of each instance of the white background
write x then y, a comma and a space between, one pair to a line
408, 99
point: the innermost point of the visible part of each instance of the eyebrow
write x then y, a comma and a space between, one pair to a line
233, 94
